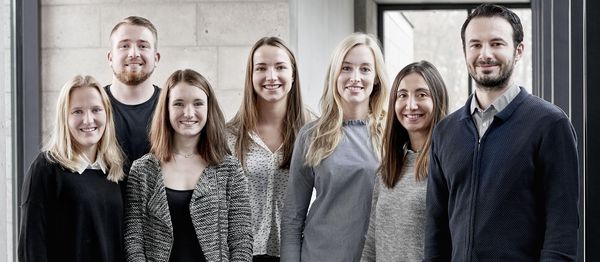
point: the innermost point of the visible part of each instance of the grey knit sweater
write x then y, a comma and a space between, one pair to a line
397, 223
219, 208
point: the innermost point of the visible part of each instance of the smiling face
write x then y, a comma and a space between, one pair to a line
272, 73
188, 106
490, 52
86, 118
414, 104
357, 76
133, 54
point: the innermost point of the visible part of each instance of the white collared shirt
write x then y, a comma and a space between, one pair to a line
84, 163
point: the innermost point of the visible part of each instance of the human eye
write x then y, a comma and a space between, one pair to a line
77, 112
199, 103
281, 67
260, 68
366, 69
475, 45
401, 95
97, 109
346, 68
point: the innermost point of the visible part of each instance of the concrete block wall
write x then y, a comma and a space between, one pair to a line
6, 198
210, 36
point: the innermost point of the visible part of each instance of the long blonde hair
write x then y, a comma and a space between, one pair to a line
62, 148
327, 132
247, 116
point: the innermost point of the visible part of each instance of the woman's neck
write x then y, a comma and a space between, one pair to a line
355, 111
417, 140
271, 113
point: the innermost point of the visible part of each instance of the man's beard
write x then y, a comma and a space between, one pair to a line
132, 78
493, 83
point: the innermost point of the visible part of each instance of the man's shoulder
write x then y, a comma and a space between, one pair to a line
536, 107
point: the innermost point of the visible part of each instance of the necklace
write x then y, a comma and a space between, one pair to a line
186, 155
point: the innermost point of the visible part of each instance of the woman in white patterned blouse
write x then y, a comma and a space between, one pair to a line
262, 134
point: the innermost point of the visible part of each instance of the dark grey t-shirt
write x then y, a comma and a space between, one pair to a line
132, 123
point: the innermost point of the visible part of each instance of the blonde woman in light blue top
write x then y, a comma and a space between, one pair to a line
337, 157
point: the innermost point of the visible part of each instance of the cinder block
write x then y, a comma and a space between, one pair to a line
229, 101
241, 23
60, 65
77, 2
203, 1
5, 26
175, 23
201, 59
70, 26
49, 99
232, 67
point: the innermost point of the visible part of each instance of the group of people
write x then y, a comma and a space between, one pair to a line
135, 172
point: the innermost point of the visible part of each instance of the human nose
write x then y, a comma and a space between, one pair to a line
88, 117
134, 51
355, 76
485, 53
271, 75
188, 111
412, 103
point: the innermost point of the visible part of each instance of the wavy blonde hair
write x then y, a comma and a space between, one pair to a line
327, 132
247, 116
62, 147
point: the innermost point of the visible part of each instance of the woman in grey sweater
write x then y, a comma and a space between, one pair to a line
337, 156
419, 100
187, 199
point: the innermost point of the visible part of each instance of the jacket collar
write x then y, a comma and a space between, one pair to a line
504, 114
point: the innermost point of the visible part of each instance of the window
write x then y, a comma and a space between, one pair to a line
434, 35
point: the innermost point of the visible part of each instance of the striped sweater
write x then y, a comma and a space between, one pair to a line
219, 208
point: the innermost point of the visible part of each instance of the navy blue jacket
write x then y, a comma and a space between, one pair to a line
509, 196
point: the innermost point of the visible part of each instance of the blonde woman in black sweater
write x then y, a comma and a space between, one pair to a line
72, 208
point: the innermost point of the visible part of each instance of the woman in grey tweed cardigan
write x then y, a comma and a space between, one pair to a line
187, 183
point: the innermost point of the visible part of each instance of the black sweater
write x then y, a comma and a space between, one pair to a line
68, 216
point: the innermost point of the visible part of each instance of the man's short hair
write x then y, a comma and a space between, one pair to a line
491, 10
138, 21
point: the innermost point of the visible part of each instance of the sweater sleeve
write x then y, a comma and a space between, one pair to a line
239, 237
298, 195
559, 164
438, 245
369, 251
35, 212
135, 212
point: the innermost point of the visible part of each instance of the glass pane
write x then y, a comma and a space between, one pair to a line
434, 35
6, 174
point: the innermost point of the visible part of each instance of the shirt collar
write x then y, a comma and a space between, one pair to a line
84, 163
500, 103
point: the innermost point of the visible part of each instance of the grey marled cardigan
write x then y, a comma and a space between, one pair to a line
220, 212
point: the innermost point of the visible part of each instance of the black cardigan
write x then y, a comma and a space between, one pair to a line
67, 216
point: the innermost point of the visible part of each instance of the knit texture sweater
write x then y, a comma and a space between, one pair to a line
219, 208
397, 222
511, 195
67, 216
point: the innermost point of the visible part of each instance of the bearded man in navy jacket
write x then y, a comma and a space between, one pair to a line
503, 177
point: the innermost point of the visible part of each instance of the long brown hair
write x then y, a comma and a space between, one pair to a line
396, 137
246, 118
63, 149
327, 132
212, 144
